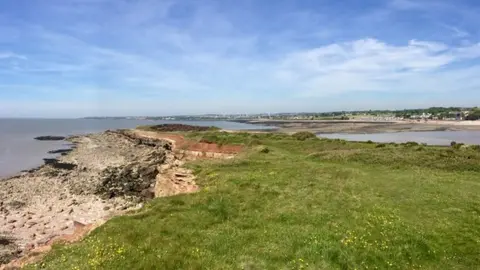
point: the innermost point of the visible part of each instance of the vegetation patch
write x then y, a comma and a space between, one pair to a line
313, 204
262, 149
410, 144
304, 135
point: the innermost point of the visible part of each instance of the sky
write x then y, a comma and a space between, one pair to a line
75, 58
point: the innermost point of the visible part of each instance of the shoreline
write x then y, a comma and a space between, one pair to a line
105, 175
42, 163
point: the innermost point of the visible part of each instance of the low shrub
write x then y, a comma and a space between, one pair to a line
262, 149
279, 136
456, 145
209, 138
475, 147
304, 135
410, 144
381, 145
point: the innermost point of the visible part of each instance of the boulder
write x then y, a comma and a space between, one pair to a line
49, 161
8, 249
59, 165
60, 151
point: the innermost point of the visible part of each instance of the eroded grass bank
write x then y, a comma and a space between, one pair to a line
302, 203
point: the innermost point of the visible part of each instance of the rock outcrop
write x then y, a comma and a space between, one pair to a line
50, 138
105, 174
60, 151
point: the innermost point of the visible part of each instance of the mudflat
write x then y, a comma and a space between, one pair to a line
353, 126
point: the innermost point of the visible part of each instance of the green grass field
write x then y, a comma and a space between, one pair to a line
288, 203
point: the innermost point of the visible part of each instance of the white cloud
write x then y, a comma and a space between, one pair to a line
372, 65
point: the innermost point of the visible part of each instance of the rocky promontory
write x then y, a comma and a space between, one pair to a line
103, 175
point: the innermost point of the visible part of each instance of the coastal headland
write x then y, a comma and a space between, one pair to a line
104, 175
259, 200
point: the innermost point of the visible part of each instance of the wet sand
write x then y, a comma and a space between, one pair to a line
362, 127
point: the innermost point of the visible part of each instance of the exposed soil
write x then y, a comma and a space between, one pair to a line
180, 143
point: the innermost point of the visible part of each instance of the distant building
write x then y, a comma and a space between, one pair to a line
456, 115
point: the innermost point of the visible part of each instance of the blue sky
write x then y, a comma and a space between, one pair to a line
70, 58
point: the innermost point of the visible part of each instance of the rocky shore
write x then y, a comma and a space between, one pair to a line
104, 175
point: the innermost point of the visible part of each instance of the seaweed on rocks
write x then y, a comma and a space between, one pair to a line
60, 151
50, 138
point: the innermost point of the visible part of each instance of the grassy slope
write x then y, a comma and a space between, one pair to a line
314, 204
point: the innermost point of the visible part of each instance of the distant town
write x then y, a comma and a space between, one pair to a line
433, 113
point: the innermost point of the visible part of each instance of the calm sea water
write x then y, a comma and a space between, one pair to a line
428, 137
19, 151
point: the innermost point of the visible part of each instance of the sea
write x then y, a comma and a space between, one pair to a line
19, 151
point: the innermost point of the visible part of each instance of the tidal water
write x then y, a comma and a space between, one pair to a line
428, 137
19, 151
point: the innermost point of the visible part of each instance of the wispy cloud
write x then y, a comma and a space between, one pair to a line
371, 65
456, 31
9, 55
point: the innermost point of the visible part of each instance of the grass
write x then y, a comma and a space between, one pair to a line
303, 204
